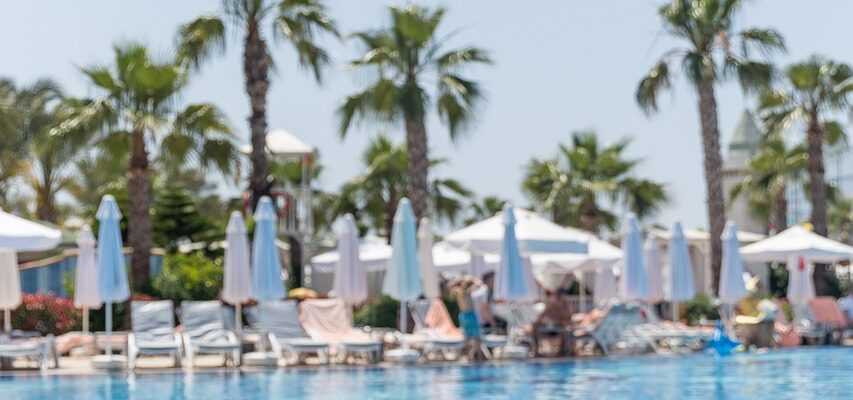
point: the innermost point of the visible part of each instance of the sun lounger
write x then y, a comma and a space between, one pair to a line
825, 321
153, 331
330, 320
278, 320
40, 349
434, 329
203, 331
670, 335
616, 329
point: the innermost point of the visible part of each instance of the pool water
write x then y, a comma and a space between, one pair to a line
777, 375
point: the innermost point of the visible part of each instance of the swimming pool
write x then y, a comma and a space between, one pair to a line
805, 373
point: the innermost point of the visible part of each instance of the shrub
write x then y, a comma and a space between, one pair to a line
189, 277
379, 313
701, 306
46, 314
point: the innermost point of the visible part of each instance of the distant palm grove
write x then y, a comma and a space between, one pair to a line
135, 137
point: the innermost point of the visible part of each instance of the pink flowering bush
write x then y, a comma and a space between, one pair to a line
45, 314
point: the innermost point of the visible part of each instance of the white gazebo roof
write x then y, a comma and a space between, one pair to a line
19, 234
696, 236
797, 241
283, 143
535, 235
601, 254
374, 253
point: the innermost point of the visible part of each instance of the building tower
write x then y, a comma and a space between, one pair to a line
742, 147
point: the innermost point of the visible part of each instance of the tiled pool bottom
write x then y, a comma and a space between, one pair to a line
825, 373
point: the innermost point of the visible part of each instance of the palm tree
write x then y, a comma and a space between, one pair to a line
841, 219
405, 56
572, 185
139, 99
375, 193
25, 114
486, 207
297, 22
812, 93
708, 57
771, 171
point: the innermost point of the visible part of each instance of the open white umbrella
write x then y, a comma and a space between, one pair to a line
403, 277
237, 280
680, 286
429, 276
533, 233
654, 271
633, 285
86, 295
10, 286
350, 276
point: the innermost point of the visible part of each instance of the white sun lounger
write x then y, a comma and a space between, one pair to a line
204, 331
153, 331
40, 350
430, 338
278, 320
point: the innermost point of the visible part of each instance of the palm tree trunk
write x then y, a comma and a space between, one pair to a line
713, 175
780, 209
416, 145
817, 187
256, 62
139, 218
817, 180
390, 210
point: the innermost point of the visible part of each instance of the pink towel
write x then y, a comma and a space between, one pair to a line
826, 311
438, 319
329, 320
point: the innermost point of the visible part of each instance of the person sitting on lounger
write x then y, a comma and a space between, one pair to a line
468, 320
555, 321
846, 305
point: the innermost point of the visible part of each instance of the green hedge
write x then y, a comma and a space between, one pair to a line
189, 277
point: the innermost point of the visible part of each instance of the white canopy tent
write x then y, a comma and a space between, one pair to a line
19, 234
797, 241
535, 235
283, 143
374, 254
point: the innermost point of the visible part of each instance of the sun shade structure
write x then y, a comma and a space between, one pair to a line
266, 265
375, 253
350, 283
283, 143
86, 295
533, 233
654, 271
511, 280
429, 276
237, 279
10, 286
605, 287
600, 254
403, 277
112, 273
732, 287
19, 234
800, 283
633, 285
680, 286
797, 241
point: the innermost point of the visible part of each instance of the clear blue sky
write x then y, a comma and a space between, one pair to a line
560, 66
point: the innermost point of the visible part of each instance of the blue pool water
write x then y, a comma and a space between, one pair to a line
826, 373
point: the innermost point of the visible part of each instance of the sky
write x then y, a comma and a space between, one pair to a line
560, 66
